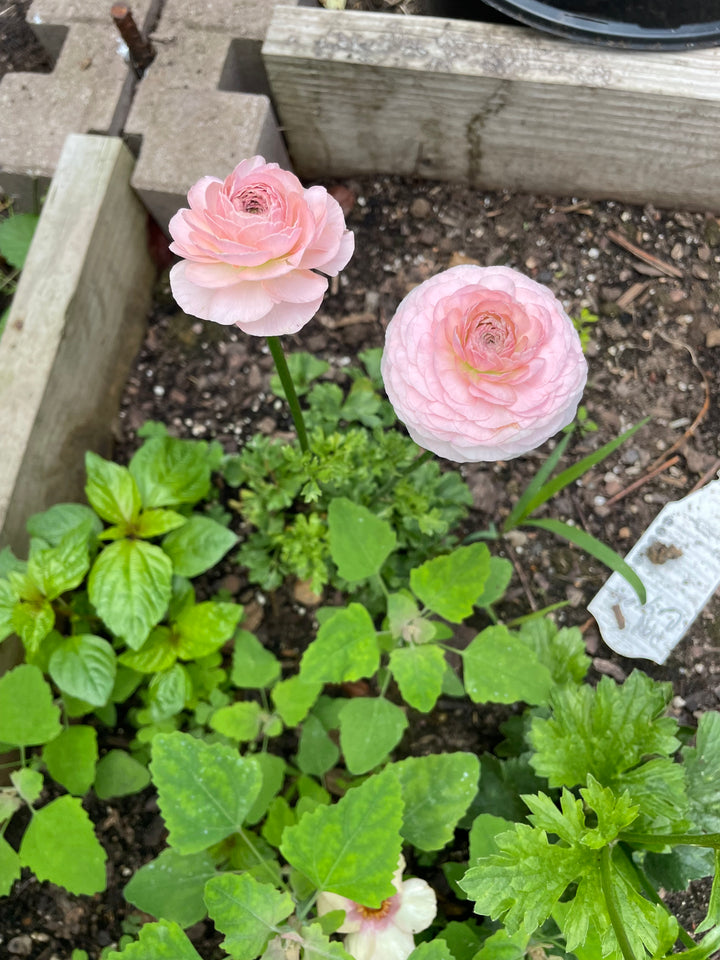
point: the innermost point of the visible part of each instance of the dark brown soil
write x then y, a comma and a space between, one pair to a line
654, 351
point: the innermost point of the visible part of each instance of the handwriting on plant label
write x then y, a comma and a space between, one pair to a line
678, 560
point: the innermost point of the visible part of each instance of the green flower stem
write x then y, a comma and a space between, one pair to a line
653, 895
262, 862
281, 366
711, 840
606, 883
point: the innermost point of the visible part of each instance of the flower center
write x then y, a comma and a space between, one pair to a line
253, 199
379, 913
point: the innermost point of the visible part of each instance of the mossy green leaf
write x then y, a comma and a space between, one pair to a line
451, 585
500, 668
370, 727
171, 886
158, 941
28, 715
345, 648
360, 542
246, 911
71, 758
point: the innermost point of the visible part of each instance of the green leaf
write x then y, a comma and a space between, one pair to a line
84, 666
63, 518
119, 775
33, 620
712, 917
157, 941
253, 666
434, 950
293, 699
239, 721
28, 783
171, 887
436, 792
483, 831
204, 790
129, 586
158, 521
315, 945
247, 912
168, 692
272, 769
28, 716
9, 867
111, 490
518, 511
59, 845
702, 767
199, 544
572, 473
501, 571
351, 848
500, 668
204, 627
345, 648
16, 235
170, 472
8, 601
156, 655
316, 751
450, 585
360, 542
70, 758
595, 548
370, 727
419, 672
562, 651
604, 731
62, 567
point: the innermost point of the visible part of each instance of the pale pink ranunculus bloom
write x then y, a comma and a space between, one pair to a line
385, 933
251, 245
482, 363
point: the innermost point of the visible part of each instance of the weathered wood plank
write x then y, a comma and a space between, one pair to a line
75, 325
495, 106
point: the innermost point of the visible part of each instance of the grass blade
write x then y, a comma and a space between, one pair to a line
595, 548
536, 485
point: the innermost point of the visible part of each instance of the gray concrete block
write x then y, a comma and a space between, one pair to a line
50, 19
187, 128
236, 18
79, 96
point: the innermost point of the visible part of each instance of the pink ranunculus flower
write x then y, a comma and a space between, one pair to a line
385, 933
482, 363
252, 244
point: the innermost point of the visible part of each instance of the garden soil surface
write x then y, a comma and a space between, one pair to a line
650, 276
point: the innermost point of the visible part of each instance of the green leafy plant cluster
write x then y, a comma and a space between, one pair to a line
16, 234
284, 493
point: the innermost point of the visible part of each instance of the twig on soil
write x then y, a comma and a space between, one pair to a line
521, 576
707, 476
641, 480
667, 268
631, 294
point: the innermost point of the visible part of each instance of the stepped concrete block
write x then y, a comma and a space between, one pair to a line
187, 128
236, 18
50, 19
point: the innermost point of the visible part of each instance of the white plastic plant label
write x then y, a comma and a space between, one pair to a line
678, 560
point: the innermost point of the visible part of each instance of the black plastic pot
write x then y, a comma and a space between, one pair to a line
639, 24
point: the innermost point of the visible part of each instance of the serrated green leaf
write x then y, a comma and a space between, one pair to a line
316, 751
62, 518
562, 651
28, 716
293, 699
84, 666
239, 721
60, 845
71, 758
170, 472
204, 627
370, 727
16, 236
157, 521
272, 769
156, 655
111, 490
436, 792
419, 672
9, 867
247, 912
253, 666
130, 586
198, 545
702, 767
157, 941
500, 668
360, 542
450, 585
119, 775
205, 791
62, 567
32, 621
604, 731
316, 945
351, 848
28, 783
345, 648
171, 887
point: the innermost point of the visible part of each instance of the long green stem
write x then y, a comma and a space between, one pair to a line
711, 840
613, 907
291, 396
